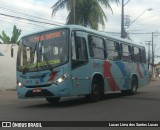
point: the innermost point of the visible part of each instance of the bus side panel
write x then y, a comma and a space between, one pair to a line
118, 75
142, 73
110, 72
127, 70
97, 67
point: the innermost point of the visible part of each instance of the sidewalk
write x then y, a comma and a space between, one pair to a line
156, 79
7, 90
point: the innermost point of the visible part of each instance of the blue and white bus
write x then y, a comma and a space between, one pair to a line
73, 60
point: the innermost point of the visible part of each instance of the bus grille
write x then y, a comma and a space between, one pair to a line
43, 93
37, 86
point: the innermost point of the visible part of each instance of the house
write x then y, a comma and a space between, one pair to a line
157, 69
7, 67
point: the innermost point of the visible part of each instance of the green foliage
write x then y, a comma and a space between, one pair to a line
87, 13
4, 37
15, 36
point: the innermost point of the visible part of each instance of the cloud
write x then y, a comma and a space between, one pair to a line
148, 22
25, 8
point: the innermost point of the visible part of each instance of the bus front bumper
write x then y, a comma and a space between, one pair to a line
53, 90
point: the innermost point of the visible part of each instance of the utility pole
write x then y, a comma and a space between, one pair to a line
123, 32
74, 11
122, 21
154, 34
152, 53
149, 52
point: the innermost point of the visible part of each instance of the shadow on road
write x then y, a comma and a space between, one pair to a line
142, 98
69, 102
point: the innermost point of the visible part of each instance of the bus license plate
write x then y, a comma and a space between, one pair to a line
37, 90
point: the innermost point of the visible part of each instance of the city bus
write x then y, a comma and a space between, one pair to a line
72, 60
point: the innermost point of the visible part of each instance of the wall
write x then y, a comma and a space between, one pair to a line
7, 67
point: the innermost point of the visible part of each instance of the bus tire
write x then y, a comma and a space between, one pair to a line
53, 100
96, 92
134, 86
125, 92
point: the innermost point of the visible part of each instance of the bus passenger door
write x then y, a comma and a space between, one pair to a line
80, 65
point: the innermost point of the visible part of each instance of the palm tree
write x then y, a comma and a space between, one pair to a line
15, 36
84, 12
4, 37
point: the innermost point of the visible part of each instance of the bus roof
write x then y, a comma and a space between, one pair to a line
81, 28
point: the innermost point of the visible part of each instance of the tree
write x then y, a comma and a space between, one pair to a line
87, 13
15, 36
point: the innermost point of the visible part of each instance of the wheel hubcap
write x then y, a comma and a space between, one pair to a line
95, 90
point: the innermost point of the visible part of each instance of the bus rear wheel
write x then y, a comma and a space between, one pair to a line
53, 100
134, 86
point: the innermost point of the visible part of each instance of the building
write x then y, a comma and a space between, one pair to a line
157, 69
7, 67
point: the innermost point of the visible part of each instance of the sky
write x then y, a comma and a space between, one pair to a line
140, 31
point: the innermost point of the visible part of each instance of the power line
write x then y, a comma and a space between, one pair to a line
25, 14
8, 19
7, 4
21, 18
28, 24
149, 17
129, 33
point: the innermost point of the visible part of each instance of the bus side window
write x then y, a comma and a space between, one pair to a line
79, 51
126, 53
96, 47
140, 52
137, 54
143, 55
113, 50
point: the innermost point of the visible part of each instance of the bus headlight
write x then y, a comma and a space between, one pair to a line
19, 84
61, 79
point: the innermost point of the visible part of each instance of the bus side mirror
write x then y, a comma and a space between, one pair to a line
12, 52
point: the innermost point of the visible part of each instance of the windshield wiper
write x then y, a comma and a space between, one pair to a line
47, 63
46, 60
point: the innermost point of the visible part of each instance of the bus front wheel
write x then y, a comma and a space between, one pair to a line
96, 92
53, 100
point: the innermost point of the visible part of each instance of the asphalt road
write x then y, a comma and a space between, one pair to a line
145, 106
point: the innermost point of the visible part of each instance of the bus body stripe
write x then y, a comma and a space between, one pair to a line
124, 72
107, 73
139, 71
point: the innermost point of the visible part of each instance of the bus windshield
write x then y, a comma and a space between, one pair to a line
43, 51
